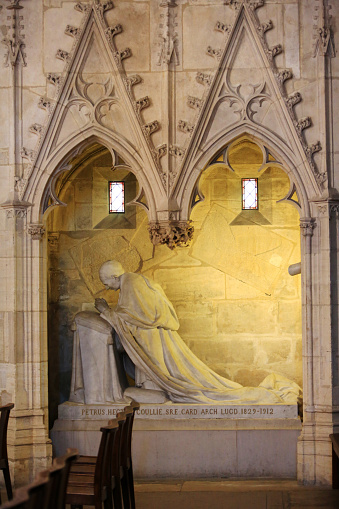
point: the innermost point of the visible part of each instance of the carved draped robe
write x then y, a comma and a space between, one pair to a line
147, 326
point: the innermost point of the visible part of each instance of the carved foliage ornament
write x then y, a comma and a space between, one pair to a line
36, 231
307, 226
171, 233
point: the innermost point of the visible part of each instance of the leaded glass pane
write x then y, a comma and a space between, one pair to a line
249, 194
116, 197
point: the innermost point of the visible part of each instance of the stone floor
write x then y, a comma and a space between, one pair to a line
233, 494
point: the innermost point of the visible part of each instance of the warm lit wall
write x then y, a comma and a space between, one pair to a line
238, 307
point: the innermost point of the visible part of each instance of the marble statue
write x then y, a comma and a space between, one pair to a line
144, 326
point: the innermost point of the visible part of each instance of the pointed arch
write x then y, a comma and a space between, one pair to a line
59, 162
305, 190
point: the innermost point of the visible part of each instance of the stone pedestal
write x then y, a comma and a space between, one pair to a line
193, 441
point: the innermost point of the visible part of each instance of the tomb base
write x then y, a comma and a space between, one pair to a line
192, 441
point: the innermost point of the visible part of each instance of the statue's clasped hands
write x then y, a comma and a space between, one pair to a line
101, 305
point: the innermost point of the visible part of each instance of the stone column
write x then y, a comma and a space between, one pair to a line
23, 364
320, 343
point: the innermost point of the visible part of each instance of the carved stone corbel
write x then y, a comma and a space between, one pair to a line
307, 226
36, 231
171, 233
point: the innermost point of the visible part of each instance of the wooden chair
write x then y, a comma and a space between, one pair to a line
335, 460
129, 465
85, 465
58, 476
93, 486
47, 491
5, 410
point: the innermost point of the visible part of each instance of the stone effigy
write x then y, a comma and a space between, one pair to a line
165, 368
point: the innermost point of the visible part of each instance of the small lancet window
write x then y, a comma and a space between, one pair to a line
116, 197
249, 194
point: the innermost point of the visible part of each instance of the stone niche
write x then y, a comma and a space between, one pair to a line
239, 310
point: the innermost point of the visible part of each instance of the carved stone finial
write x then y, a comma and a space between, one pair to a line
293, 99
264, 27
303, 123
36, 231
168, 39
53, 78
113, 31
284, 75
62, 55
312, 149
185, 127
72, 31
171, 233
140, 104
36, 129
176, 151
221, 27
214, 52
151, 127
204, 79
45, 104
194, 102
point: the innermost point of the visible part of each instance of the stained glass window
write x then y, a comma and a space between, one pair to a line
249, 194
116, 197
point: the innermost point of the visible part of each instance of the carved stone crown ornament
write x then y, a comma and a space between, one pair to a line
36, 231
171, 233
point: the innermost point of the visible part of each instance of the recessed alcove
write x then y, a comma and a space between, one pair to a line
239, 309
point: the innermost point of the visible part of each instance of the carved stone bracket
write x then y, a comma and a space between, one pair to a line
171, 233
36, 231
307, 226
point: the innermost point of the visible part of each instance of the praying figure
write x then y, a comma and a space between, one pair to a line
143, 335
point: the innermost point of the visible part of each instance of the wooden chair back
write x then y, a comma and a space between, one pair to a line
4, 417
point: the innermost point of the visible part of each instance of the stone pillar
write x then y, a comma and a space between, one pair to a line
23, 364
320, 342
